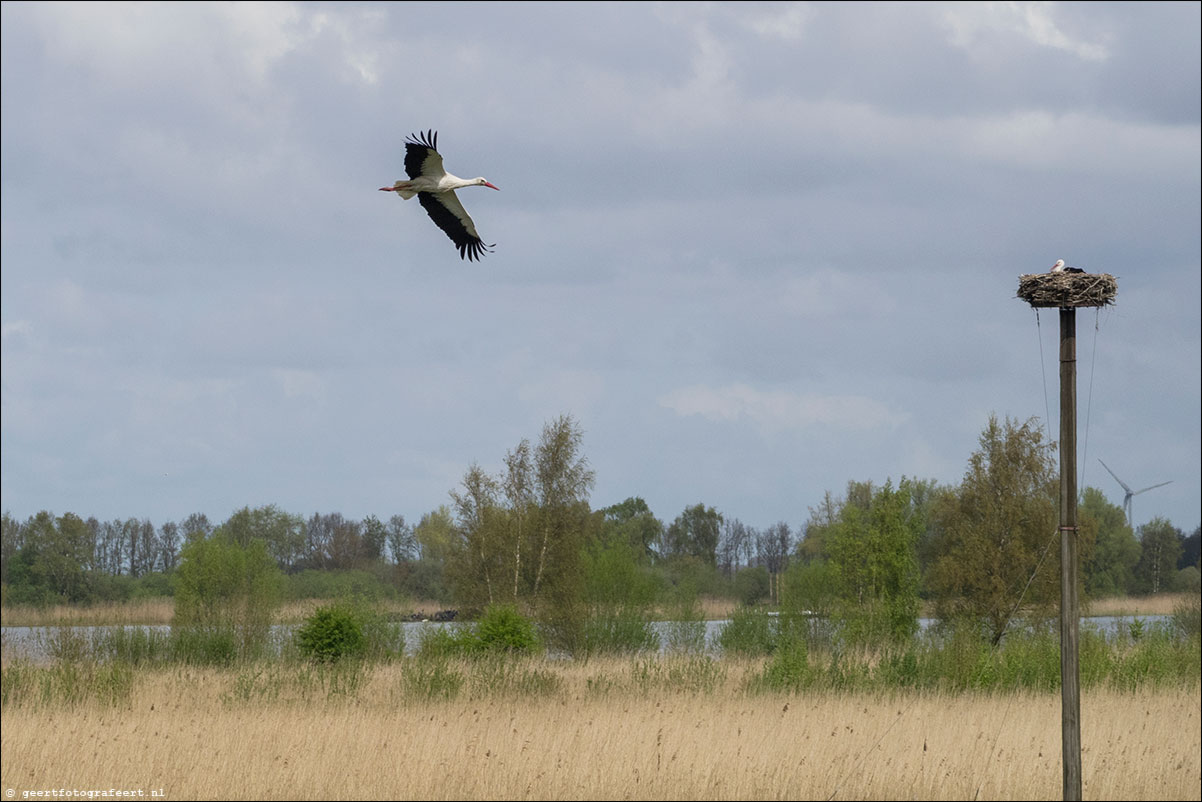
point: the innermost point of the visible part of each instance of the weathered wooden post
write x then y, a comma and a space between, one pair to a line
1068, 291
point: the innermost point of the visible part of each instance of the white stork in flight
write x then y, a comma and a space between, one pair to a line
435, 190
1060, 268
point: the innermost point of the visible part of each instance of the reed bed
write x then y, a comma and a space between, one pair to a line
1158, 604
600, 729
153, 611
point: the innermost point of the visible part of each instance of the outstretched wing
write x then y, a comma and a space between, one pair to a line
448, 214
421, 155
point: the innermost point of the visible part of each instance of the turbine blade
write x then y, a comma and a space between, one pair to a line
1116, 478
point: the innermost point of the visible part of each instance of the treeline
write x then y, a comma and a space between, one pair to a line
529, 537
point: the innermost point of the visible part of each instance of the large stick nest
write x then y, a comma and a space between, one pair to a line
1067, 290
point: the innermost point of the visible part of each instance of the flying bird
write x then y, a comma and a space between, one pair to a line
435, 191
1060, 268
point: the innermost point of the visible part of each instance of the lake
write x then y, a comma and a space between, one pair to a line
31, 641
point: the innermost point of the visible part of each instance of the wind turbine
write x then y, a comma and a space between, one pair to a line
1130, 492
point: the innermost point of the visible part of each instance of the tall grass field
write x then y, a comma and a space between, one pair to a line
670, 728
344, 710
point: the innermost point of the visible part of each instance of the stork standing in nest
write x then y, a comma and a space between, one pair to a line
1060, 268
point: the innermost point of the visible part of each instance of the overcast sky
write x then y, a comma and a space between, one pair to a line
755, 250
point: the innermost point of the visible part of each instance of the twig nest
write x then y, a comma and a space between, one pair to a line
1067, 290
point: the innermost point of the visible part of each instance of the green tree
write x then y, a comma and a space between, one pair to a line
995, 533
374, 533
518, 487
401, 540
1160, 547
65, 557
347, 547
52, 561
10, 543
435, 535
225, 598
519, 537
1190, 548
619, 589
195, 526
694, 533
1110, 569
477, 564
810, 589
564, 480
817, 529
282, 533
632, 522
874, 560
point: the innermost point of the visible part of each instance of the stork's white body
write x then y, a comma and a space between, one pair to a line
1060, 268
435, 190
425, 183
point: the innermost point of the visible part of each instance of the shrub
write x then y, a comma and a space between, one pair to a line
503, 629
614, 631
749, 632
333, 631
787, 670
500, 630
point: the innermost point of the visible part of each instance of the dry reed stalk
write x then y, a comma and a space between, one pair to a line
142, 611
182, 734
1159, 604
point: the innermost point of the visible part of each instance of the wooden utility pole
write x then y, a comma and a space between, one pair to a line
1068, 291
1070, 674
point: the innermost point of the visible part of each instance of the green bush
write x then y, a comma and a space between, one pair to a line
787, 670
503, 629
618, 631
500, 630
333, 632
750, 633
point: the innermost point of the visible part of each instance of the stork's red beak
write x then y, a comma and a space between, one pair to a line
386, 189
490, 185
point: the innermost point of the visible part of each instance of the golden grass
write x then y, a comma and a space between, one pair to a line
1159, 604
182, 733
142, 611
162, 611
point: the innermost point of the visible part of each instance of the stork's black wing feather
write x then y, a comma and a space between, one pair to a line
461, 231
417, 148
